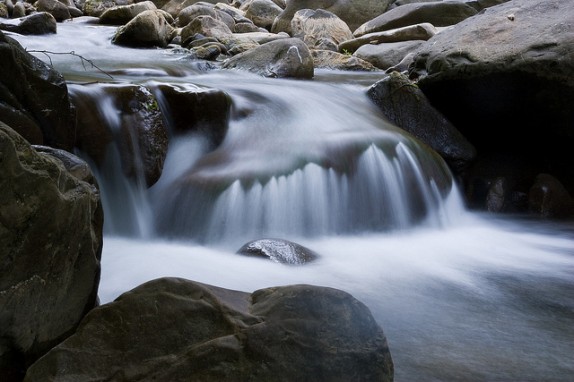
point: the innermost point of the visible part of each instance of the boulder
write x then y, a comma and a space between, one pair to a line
206, 26
505, 78
262, 12
173, 7
284, 58
175, 330
422, 31
148, 29
279, 251
385, 56
549, 198
122, 14
320, 29
352, 12
95, 8
404, 104
203, 9
138, 130
55, 8
34, 97
438, 13
50, 247
35, 24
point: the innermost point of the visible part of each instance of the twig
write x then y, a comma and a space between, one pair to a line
72, 53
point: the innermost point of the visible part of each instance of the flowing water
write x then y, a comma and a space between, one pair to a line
461, 296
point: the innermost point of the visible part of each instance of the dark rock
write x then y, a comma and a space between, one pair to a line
122, 14
405, 105
282, 58
505, 78
34, 97
50, 247
35, 24
55, 8
139, 131
178, 330
549, 199
387, 55
279, 251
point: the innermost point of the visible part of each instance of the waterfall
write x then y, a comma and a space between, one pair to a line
297, 160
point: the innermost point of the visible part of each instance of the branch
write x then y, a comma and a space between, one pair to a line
72, 53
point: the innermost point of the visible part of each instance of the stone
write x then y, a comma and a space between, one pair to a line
206, 26
55, 8
95, 8
387, 55
279, 251
284, 58
262, 12
327, 59
404, 104
123, 14
203, 9
50, 248
548, 198
176, 330
148, 29
35, 24
320, 29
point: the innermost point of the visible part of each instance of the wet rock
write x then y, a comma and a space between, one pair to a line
138, 131
36, 24
279, 251
73, 164
505, 78
285, 58
439, 14
148, 29
548, 198
123, 14
405, 105
34, 98
206, 26
95, 8
352, 12
174, 7
50, 247
298, 332
320, 29
262, 12
203, 9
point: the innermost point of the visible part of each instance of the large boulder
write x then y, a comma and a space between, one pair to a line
404, 104
352, 12
505, 78
438, 13
55, 8
262, 12
387, 55
203, 9
35, 24
34, 97
122, 14
177, 330
284, 58
95, 8
148, 29
50, 247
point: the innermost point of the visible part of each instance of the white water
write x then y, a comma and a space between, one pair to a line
462, 297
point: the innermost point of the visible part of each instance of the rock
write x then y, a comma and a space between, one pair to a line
74, 165
50, 247
439, 14
199, 110
138, 131
19, 10
34, 98
203, 9
55, 8
206, 26
4, 12
505, 78
422, 31
148, 29
95, 8
279, 251
178, 330
262, 12
327, 59
285, 58
404, 104
123, 14
352, 12
35, 24
320, 29
174, 7
548, 198
384, 56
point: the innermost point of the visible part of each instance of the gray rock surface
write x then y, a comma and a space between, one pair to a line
279, 251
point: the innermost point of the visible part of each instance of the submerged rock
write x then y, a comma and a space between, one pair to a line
279, 251
174, 330
50, 247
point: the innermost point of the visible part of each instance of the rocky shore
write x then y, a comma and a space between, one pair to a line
487, 84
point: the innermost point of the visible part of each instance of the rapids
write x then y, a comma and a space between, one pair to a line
461, 296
